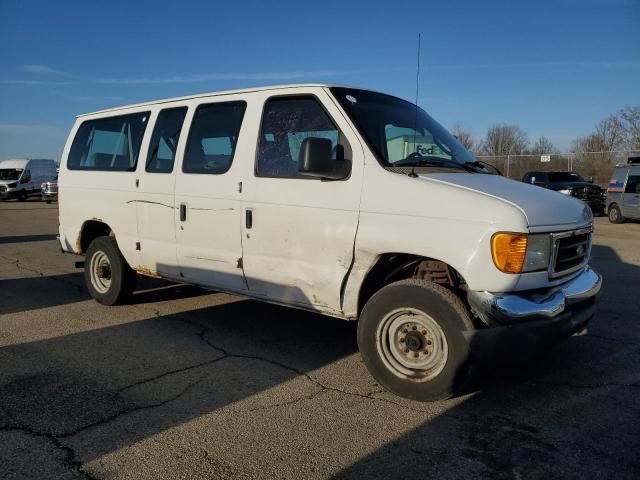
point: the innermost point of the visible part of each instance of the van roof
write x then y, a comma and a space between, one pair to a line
211, 94
21, 162
14, 163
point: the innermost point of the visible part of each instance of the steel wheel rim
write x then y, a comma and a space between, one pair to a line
412, 345
100, 265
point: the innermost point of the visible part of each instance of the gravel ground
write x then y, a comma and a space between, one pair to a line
185, 383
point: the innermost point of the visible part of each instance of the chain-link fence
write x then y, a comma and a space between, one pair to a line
590, 165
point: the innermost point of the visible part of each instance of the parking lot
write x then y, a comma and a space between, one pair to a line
186, 383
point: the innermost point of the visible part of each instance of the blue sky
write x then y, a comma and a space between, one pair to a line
554, 67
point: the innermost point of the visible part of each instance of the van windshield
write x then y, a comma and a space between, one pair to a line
402, 135
10, 173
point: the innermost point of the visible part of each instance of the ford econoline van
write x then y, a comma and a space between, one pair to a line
342, 201
23, 178
623, 192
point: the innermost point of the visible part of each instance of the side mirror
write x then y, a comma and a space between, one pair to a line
315, 160
26, 177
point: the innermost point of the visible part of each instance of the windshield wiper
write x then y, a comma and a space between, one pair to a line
415, 161
433, 162
484, 165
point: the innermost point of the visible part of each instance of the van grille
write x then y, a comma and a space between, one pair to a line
570, 252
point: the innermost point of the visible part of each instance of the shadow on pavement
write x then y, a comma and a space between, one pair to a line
26, 238
572, 412
115, 386
31, 293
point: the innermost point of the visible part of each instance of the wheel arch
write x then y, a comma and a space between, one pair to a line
391, 267
90, 230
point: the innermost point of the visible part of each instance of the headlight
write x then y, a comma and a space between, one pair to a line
519, 252
565, 191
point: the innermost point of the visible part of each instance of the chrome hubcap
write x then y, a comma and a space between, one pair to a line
100, 269
412, 345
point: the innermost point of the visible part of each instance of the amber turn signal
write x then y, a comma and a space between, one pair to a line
508, 251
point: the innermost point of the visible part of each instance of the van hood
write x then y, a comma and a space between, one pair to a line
540, 206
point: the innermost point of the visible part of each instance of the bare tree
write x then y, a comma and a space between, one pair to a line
503, 140
542, 146
465, 137
630, 120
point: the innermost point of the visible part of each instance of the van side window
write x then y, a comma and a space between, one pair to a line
108, 143
286, 122
633, 184
166, 133
213, 137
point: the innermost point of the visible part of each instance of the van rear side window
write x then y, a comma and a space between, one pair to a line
164, 142
213, 137
108, 144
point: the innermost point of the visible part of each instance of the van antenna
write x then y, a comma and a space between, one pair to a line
415, 119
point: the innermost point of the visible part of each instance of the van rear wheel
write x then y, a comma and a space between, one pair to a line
109, 278
410, 336
615, 215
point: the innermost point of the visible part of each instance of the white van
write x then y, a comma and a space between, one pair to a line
23, 178
293, 195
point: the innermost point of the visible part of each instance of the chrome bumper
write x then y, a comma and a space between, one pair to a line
509, 308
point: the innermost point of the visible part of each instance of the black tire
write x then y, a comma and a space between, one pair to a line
48, 200
121, 281
615, 215
446, 310
22, 196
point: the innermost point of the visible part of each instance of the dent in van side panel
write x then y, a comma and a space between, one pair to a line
431, 220
300, 246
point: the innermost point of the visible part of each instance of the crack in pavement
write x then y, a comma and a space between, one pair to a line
69, 454
322, 386
21, 266
166, 374
130, 410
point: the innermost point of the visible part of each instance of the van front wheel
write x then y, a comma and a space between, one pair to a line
615, 215
410, 336
109, 278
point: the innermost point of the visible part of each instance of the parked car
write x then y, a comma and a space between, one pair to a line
623, 194
23, 178
570, 183
347, 202
49, 190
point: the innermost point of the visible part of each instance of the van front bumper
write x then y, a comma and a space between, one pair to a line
8, 194
510, 308
522, 322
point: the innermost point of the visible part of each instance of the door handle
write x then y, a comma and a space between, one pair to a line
248, 218
183, 212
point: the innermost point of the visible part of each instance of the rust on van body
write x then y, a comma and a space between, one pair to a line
146, 271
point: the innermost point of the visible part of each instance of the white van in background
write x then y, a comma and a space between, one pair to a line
337, 200
23, 178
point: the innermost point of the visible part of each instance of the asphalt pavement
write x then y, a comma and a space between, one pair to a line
185, 383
